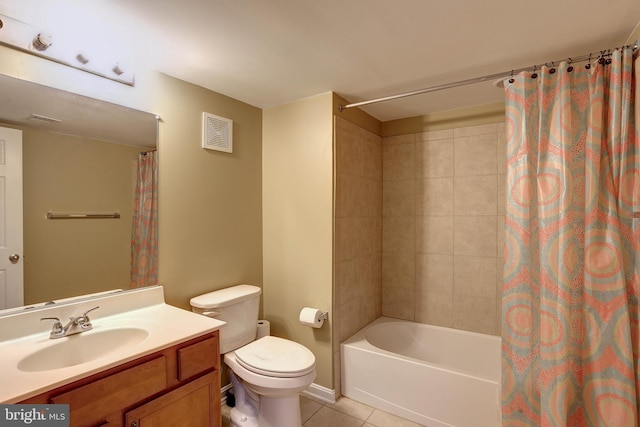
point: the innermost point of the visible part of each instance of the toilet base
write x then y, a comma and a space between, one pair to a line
279, 411
241, 419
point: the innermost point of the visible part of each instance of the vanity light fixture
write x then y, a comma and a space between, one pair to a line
26, 38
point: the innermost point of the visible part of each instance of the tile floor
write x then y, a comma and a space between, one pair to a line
344, 413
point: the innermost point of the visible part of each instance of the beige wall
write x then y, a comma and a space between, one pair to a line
297, 185
471, 116
356, 116
443, 207
442, 204
68, 174
210, 202
210, 219
358, 232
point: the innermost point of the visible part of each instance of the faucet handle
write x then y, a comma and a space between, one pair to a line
57, 326
84, 320
90, 310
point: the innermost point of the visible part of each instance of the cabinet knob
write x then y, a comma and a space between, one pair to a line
134, 424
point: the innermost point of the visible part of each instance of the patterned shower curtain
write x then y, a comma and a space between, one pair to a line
144, 239
570, 295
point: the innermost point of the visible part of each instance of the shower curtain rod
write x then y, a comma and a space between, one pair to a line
490, 77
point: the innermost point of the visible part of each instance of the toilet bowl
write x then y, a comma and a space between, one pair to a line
275, 370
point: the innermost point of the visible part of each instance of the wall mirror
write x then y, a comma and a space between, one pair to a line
79, 156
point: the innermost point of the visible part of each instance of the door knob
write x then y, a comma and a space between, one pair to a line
14, 258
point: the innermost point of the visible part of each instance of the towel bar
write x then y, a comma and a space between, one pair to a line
51, 215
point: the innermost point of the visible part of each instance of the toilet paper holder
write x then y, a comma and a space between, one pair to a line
313, 317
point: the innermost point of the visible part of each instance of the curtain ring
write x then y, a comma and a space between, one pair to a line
552, 70
588, 66
601, 60
570, 68
534, 75
511, 79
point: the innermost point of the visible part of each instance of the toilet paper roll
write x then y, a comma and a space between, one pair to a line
312, 317
264, 329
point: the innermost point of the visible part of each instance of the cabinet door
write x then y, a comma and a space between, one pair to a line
197, 358
92, 403
195, 404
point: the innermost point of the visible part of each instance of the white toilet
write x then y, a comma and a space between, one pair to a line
274, 370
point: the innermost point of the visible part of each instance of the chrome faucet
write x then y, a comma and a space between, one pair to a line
76, 325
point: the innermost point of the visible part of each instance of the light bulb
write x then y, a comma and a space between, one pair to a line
42, 42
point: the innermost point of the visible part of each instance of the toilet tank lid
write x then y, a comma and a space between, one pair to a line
226, 296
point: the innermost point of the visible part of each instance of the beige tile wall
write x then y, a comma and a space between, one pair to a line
358, 232
442, 227
418, 229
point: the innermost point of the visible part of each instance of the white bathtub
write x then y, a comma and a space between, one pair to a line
439, 377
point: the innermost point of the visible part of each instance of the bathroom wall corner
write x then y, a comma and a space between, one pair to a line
297, 187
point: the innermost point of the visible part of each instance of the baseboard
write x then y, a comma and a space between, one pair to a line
321, 393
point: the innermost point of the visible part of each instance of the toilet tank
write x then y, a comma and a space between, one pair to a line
238, 306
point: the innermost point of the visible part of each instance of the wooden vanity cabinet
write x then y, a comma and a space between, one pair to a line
188, 405
178, 386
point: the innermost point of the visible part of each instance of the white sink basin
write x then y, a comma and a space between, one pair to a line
129, 325
81, 348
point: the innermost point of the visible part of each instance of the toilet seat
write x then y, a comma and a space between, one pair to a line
276, 357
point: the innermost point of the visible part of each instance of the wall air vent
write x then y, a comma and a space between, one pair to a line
217, 133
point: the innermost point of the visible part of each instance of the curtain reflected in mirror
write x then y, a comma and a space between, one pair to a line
144, 239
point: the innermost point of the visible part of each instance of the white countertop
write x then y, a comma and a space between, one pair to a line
23, 333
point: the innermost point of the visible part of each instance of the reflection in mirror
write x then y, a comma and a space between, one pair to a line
82, 155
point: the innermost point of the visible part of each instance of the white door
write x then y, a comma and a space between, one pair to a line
11, 263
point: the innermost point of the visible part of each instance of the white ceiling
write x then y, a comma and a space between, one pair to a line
270, 52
